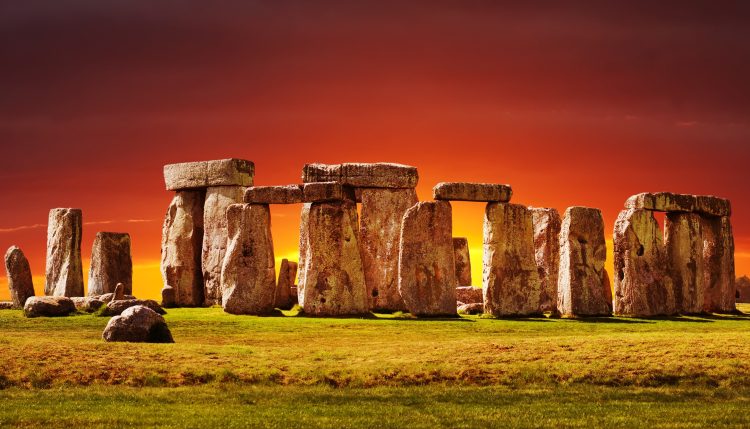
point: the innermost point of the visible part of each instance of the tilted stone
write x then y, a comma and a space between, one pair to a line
427, 271
138, 324
469, 294
380, 235
333, 283
547, 254
670, 202
48, 306
218, 200
287, 194
684, 252
203, 174
248, 275
463, 261
363, 175
510, 283
326, 191
182, 240
464, 191
287, 275
718, 251
64, 273
583, 287
110, 263
643, 286
20, 281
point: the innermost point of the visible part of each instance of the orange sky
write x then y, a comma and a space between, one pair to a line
571, 106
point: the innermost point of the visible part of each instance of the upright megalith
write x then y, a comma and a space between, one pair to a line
380, 236
547, 254
583, 287
510, 283
64, 273
20, 282
283, 298
463, 262
427, 271
215, 237
303, 226
182, 240
643, 286
248, 276
718, 251
683, 243
110, 264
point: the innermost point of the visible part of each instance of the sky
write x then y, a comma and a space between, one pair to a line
571, 105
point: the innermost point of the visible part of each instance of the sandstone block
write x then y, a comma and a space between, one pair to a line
471, 308
7, 305
138, 324
303, 226
464, 191
511, 284
287, 275
718, 251
64, 273
218, 200
110, 263
321, 173
684, 251
713, 206
48, 306
463, 261
248, 275
427, 271
182, 240
583, 287
115, 307
203, 174
363, 175
288, 194
88, 304
742, 285
326, 191
469, 294
670, 202
19, 276
547, 254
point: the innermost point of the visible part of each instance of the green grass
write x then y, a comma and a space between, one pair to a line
387, 371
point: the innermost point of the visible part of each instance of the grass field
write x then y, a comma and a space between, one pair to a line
240, 371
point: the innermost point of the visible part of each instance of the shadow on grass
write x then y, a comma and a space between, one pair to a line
609, 320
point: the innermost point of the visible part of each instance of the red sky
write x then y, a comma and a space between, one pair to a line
571, 106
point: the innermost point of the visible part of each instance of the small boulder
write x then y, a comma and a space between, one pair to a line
6, 305
138, 324
48, 306
473, 308
116, 307
88, 304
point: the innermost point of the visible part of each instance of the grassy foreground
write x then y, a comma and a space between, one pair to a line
244, 371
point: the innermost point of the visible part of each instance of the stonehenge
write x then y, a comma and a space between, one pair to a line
110, 264
64, 270
20, 282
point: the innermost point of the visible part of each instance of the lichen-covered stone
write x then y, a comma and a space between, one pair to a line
203, 174
64, 273
218, 199
463, 261
287, 274
20, 281
287, 194
670, 202
182, 240
684, 252
110, 263
547, 255
465, 191
363, 175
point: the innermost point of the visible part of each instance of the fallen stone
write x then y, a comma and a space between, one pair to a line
427, 271
547, 254
742, 285
670, 202
326, 191
87, 304
19, 276
7, 305
363, 175
182, 241
107, 297
583, 286
511, 284
469, 294
218, 200
110, 263
138, 324
116, 307
463, 261
288, 194
718, 251
643, 286
248, 276
48, 306
380, 235
472, 308
333, 283
203, 174
64, 273
465, 191
287, 274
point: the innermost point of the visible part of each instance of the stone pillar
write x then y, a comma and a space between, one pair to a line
463, 261
64, 274
718, 251
642, 285
547, 254
287, 275
380, 235
427, 271
510, 283
684, 252
19, 276
218, 199
303, 226
110, 264
182, 240
583, 287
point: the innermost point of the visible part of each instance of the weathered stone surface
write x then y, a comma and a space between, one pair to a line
510, 283
48, 306
19, 276
88, 304
718, 251
202, 174
64, 274
138, 324
287, 274
684, 251
119, 292
333, 283
321, 173
110, 263
427, 271
363, 175
7, 305
713, 206
471, 308
168, 298
463, 261
380, 235
583, 287
303, 226
469, 294
669, 202
326, 191
248, 276
742, 285
287, 194
116, 307
181, 243
643, 286
547, 254
218, 200
465, 191
107, 297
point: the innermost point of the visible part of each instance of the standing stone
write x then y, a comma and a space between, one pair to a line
718, 252
511, 285
742, 284
303, 226
547, 254
182, 239
248, 275
642, 284
19, 276
463, 262
119, 293
684, 251
287, 275
110, 263
218, 199
427, 270
380, 235
583, 287
333, 283
64, 274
